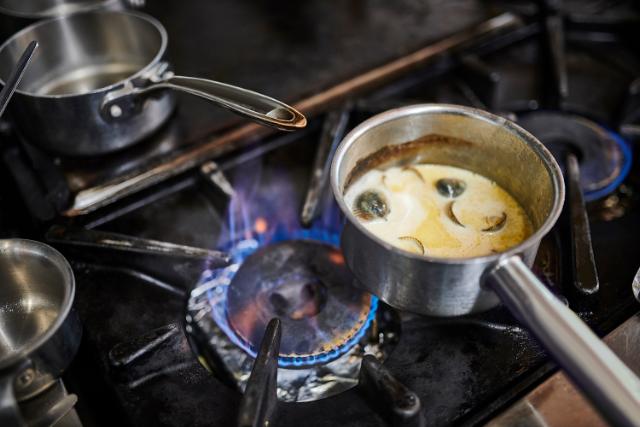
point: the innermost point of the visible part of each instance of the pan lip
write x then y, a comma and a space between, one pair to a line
65, 308
549, 161
164, 39
96, 5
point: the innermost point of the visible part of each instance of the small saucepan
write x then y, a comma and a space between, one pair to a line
99, 83
502, 151
39, 330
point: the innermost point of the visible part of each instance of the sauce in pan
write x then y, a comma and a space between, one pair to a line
437, 210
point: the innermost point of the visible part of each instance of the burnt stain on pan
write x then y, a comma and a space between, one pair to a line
398, 154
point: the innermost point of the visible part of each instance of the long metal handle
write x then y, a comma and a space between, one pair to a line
262, 108
124, 102
612, 387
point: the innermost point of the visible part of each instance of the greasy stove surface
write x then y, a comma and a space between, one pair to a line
463, 369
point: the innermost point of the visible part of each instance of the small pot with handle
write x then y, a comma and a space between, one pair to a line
505, 153
100, 82
39, 330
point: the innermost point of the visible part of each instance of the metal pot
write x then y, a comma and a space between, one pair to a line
513, 158
17, 14
99, 83
39, 331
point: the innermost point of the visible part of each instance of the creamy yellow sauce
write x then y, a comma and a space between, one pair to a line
415, 216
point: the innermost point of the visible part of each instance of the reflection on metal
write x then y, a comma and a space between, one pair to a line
94, 239
127, 352
216, 177
93, 198
557, 403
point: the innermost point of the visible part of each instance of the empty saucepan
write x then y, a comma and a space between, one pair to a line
505, 153
100, 83
39, 331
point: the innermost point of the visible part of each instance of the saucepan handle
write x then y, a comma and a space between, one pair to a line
594, 368
124, 102
9, 411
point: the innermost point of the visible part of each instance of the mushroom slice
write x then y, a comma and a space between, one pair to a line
450, 187
417, 242
371, 204
415, 171
451, 215
496, 223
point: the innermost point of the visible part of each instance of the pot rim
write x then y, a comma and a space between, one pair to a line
164, 40
70, 289
43, 15
418, 109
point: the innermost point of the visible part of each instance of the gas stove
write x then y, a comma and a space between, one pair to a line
178, 279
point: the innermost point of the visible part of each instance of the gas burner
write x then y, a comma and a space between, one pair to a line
223, 352
308, 287
605, 158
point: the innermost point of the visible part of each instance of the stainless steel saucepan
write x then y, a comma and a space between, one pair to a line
39, 331
100, 83
502, 151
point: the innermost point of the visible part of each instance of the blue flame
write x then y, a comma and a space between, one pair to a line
253, 204
219, 280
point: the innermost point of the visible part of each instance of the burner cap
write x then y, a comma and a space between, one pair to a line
605, 158
308, 286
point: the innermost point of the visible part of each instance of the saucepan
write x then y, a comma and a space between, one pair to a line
502, 151
100, 83
39, 331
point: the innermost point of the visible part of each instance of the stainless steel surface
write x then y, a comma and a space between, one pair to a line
584, 264
16, 75
90, 199
39, 331
112, 60
122, 104
557, 403
495, 148
612, 387
500, 150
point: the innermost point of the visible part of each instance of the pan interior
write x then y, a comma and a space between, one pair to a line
33, 296
83, 52
495, 150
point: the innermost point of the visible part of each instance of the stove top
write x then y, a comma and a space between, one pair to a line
153, 268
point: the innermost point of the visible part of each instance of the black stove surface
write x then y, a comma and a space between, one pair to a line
464, 370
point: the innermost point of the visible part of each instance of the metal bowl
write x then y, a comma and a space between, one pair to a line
39, 332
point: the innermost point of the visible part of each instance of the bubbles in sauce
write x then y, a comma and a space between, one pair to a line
437, 210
